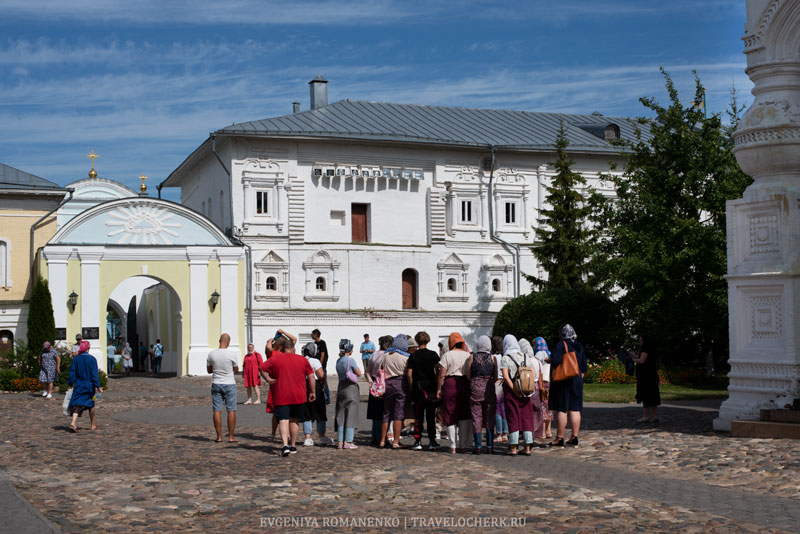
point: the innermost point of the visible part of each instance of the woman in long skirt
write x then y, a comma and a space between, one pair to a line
50, 364
566, 396
519, 409
250, 366
347, 396
84, 379
481, 372
543, 355
454, 392
536, 398
500, 421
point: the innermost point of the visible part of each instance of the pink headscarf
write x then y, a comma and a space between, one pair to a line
84, 346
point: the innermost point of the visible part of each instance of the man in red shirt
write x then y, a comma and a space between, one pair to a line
287, 374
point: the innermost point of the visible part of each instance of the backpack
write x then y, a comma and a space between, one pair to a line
525, 379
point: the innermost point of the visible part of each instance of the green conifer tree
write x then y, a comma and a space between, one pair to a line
41, 322
563, 240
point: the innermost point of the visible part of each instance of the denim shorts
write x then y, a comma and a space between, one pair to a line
223, 392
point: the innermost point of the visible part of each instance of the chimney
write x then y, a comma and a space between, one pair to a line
295, 107
319, 92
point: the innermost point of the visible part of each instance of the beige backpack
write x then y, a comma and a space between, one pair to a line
525, 379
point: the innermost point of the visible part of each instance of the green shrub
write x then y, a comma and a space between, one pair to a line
118, 367
596, 318
41, 323
6, 376
103, 380
23, 360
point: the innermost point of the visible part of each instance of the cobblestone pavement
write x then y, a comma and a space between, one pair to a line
153, 467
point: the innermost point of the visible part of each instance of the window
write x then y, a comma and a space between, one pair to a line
408, 174
320, 277
511, 213
496, 285
271, 284
320, 283
329, 172
317, 171
466, 211
262, 202
4, 265
611, 132
354, 172
452, 285
340, 172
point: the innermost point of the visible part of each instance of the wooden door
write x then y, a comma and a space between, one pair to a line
358, 222
409, 289
6, 341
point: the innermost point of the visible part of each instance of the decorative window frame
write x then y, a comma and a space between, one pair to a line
453, 267
321, 264
496, 267
263, 175
5, 275
512, 186
275, 266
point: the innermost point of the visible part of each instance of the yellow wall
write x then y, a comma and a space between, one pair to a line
15, 226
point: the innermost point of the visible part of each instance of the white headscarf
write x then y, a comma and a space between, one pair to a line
510, 345
526, 347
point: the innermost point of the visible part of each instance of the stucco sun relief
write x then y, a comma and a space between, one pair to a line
146, 225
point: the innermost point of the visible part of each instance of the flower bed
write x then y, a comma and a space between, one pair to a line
25, 384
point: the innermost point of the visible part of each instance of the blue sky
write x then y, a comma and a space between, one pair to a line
143, 83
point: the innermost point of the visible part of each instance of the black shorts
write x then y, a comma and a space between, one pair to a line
290, 411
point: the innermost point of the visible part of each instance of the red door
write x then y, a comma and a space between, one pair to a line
409, 289
358, 222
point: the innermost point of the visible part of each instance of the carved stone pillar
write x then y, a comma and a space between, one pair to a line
764, 226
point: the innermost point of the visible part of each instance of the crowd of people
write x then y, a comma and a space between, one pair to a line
500, 391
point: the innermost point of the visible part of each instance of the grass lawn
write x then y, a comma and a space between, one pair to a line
627, 393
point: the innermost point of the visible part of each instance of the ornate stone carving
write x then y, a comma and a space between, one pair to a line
142, 224
753, 41
766, 317
764, 234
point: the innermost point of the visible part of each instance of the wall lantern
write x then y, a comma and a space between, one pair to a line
214, 300
73, 300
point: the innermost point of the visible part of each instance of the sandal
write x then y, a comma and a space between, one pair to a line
573, 441
643, 420
73, 428
557, 443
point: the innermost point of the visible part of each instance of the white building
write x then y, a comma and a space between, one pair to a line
380, 218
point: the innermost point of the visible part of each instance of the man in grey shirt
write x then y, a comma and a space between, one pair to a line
223, 364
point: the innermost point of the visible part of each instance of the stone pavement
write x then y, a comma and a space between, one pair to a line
153, 467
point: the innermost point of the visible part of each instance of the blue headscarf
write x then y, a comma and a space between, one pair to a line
541, 345
399, 345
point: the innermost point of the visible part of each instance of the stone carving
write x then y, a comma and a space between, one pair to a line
142, 225
751, 42
766, 136
766, 317
763, 234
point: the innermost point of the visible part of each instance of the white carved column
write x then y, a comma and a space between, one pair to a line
92, 310
230, 312
199, 296
57, 258
764, 226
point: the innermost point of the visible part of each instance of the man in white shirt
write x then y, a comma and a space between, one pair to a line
110, 357
222, 364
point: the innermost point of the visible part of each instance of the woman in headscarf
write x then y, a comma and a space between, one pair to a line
519, 408
500, 421
250, 366
84, 379
647, 392
375, 404
50, 364
481, 373
543, 355
347, 395
536, 399
127, 359
566, 396
315, 411
395, 362
453, 389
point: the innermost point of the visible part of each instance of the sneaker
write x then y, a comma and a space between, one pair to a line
49, 395
308, 442
417, 446
44, 393
324, 440
292, 450
286, 451
350, 446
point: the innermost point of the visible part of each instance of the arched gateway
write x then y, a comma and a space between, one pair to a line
123, 241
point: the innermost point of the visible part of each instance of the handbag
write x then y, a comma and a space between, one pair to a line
569, 366
65, 404
351, 376
378, 387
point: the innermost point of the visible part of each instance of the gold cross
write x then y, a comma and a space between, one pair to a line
92, 156
143, 188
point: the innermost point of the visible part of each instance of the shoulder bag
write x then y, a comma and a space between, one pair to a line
568, 368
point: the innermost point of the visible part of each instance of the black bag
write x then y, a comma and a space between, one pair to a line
625, 359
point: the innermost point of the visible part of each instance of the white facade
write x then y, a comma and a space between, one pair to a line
294, 204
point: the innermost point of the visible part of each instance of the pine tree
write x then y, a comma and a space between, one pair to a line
666, 240
41, 322
563, 246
